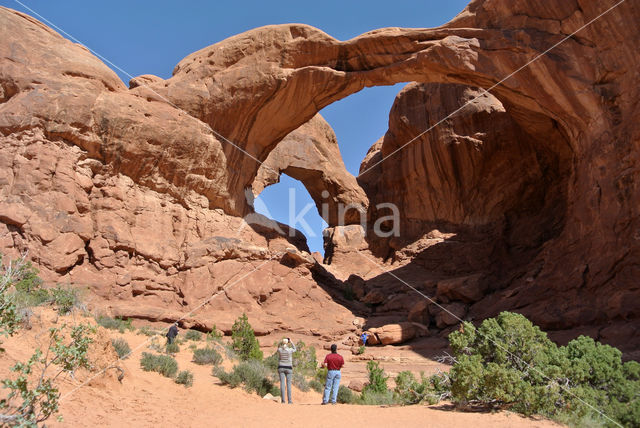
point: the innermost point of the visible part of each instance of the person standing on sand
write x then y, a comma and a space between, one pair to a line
285, 366
172, 333
333, 362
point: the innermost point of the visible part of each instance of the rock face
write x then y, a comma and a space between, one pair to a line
526, 198
311, 155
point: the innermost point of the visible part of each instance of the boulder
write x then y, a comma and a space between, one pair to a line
451, 315
468, 289
393, 334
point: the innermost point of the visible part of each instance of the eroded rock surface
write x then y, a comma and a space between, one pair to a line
525, 199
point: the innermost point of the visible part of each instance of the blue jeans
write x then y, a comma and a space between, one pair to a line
288, 374
331, 386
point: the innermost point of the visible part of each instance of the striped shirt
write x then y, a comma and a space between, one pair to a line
286, 356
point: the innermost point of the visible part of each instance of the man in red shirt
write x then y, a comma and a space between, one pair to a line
333, 362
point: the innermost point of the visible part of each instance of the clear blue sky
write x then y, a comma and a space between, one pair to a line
151, 37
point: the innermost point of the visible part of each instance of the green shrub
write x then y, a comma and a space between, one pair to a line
33, 298
64, 298
361, 350
32, 396
147, 331
377, 378
509, 362
345, 396
29, 280
410, 390
300, 381
227, 378
253, 374
115, 323
185, 378
372, 398
316, 385
10, 274
243, 340
304, 359
122, 348
172, 348
321, 375
163, 364
207, 355
193, 335
215, 334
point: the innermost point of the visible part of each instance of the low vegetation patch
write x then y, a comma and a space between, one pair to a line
147, 331
122, 348
115, 323
185, 377
252, 374
193, 335
215, 334
163, 364
207, 355
172, 348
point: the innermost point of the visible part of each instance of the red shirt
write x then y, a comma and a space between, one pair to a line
334, 361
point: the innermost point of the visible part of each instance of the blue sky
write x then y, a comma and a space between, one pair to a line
151, 37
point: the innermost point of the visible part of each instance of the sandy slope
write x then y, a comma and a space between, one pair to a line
148, 399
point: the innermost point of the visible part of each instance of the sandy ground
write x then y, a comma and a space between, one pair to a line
147, 399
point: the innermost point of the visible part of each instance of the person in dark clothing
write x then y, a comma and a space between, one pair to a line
333, 362
172, 333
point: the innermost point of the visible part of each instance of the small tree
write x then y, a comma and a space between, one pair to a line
10, 274
243, 340
30, 403
377, 379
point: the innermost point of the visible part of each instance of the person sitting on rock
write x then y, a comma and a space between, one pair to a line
333, 362
285, 366
172, 333
364, 338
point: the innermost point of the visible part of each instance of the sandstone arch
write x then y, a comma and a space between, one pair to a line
91, 145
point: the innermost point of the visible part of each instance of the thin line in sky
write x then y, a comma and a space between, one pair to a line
486, 91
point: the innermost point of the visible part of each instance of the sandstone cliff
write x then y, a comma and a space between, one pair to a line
525, 199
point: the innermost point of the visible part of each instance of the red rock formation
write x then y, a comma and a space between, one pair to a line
311, 155
84, 159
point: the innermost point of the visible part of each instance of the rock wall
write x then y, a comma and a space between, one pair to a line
99, 180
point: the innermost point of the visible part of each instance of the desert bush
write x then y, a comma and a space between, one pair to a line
376, 391
172, 348
207, 355
243, 340
509, 362
345, 395
147, 331
253, 374
9, 276
115, 323
227, 378
193, 335
361, 350
377, 378
215, 334
372, 398
410, 390
33, 399
163, 364
122, 348
185, 377
300, 381
316, 385
304, 359
65, 298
